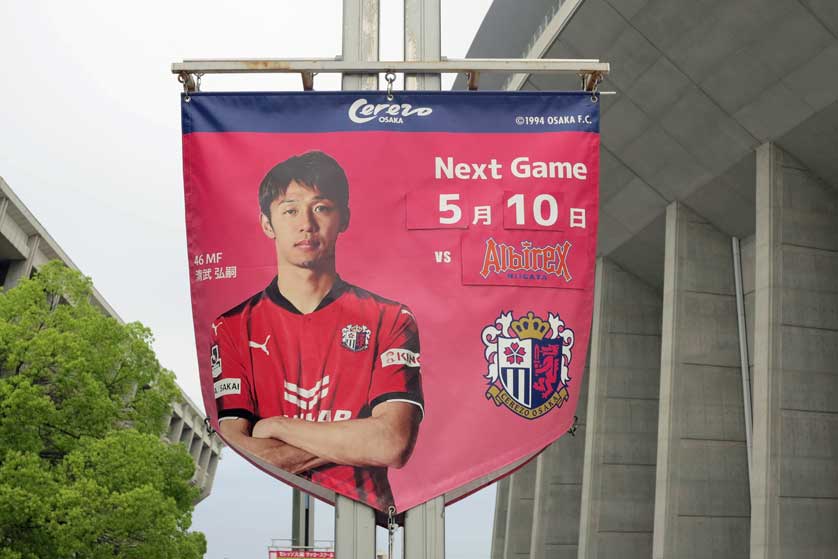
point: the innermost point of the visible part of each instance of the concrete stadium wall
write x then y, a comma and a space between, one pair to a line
519, 515
665, 470
558, 490
537, 507
795, 478
618, 491
187, 427
702, 504
707, 92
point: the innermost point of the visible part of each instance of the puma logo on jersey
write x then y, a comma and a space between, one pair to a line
215, 327
263, 346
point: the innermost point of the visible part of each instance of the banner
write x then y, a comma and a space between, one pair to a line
391, 299
299, 554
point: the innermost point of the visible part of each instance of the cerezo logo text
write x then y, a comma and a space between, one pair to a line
361, 112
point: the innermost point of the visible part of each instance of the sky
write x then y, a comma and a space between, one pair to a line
90, 142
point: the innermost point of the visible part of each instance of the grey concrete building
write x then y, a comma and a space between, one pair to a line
186, 426
724, 126
25, 246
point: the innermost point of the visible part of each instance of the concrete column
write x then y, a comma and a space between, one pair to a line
22, 269
186, 436
176, 429
195, 446
702, 506
211, 468
558, 490
4, 207
618, 491
519, 514
795, 461
206, 451
499, 526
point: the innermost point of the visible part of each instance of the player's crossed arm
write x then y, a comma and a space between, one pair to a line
386, 439
238, 432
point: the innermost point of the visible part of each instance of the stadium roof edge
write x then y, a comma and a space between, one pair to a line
54, 247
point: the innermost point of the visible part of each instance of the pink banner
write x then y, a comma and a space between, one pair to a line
391, 302
299, 554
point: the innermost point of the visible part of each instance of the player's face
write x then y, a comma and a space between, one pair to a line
305, 226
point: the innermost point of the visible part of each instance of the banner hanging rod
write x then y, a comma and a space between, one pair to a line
591, 70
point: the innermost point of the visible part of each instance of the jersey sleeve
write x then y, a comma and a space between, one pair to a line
232, 377
396, 376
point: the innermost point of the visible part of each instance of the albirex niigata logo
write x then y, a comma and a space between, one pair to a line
530, 262
362, 112
528, 362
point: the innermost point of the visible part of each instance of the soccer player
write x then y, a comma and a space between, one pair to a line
314, 375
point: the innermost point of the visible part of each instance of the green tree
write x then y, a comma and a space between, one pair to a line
83, 403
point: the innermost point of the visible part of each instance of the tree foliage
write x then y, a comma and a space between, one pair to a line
83, 403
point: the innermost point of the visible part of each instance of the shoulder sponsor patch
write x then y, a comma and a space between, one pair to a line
215, 360
227, 386
400, 357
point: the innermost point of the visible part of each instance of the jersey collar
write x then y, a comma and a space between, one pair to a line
274, 295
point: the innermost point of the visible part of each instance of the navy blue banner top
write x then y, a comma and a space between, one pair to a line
531, 111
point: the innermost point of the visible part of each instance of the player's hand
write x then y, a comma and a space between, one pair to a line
266, 428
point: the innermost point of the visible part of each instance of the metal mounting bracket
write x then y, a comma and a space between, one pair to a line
591, 71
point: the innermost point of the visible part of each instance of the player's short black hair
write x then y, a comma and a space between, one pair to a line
313, 169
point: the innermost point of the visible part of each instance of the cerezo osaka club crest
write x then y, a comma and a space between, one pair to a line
355, 337
528, 361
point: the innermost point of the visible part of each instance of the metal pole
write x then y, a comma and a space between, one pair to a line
355, 522
424, 531
422, 41
189, 68
424, 526
302, 520
354, 529
743, 350
360, 40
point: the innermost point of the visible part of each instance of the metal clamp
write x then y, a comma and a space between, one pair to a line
308, 80
191, 83
391, 529
590, 82
473, 78
390, 77
207, 422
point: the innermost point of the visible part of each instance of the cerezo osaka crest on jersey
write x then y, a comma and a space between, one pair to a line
355, 337
528, 361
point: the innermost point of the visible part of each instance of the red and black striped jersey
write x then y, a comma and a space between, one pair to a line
354, 351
